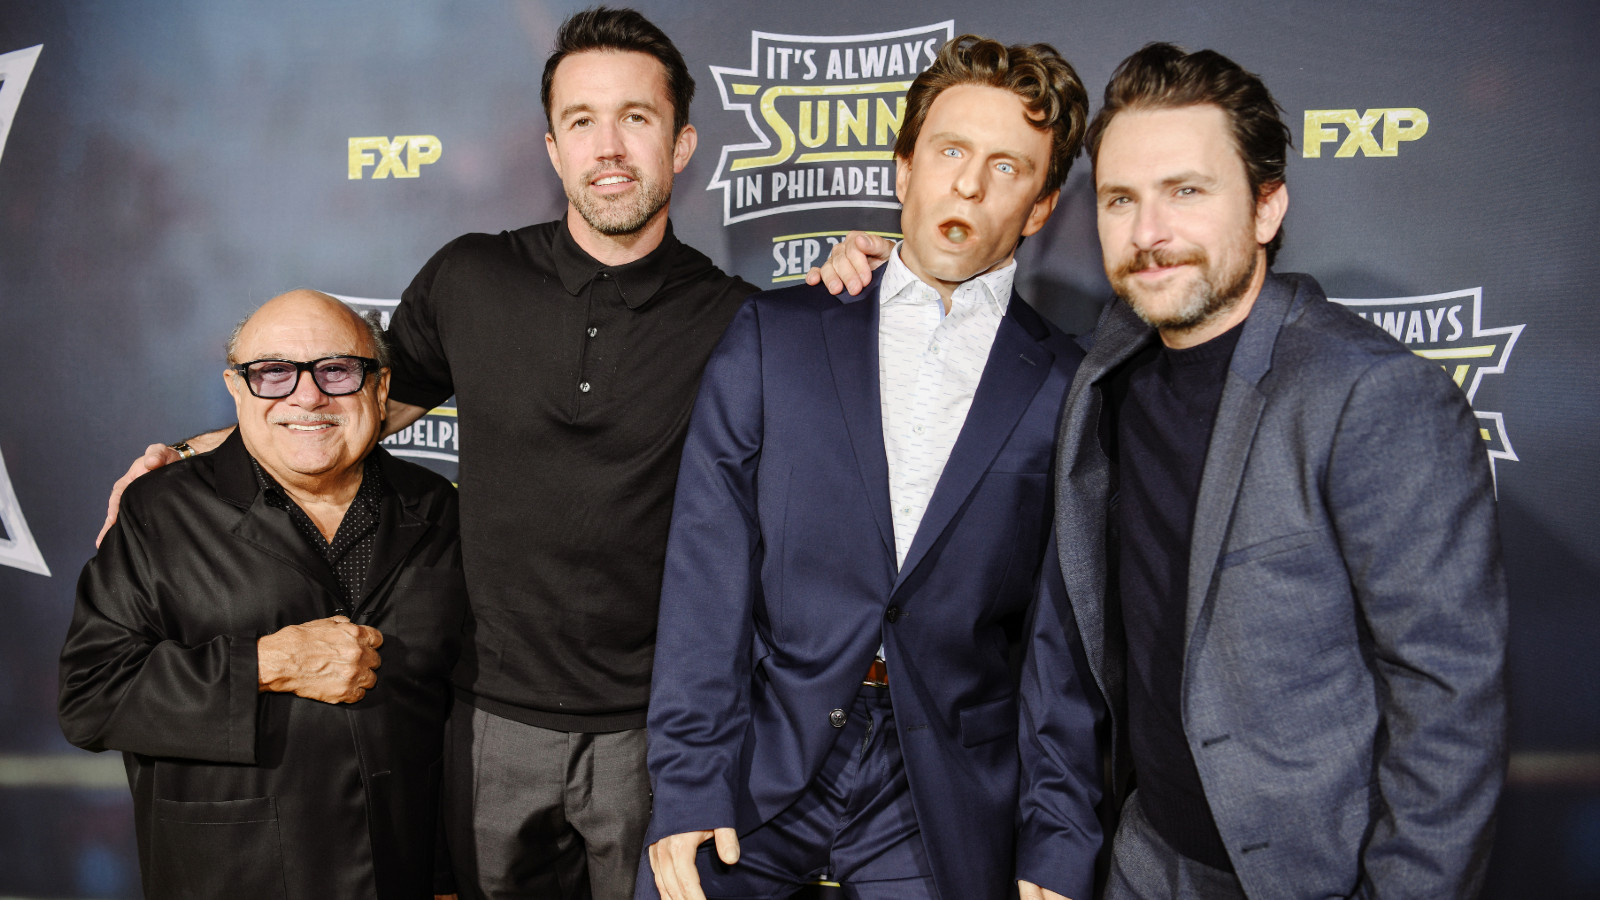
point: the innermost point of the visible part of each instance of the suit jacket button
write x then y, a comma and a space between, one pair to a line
893, 614
836, 718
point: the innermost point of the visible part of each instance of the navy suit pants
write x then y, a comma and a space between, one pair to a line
854, 826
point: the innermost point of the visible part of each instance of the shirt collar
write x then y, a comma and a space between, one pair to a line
900, 285
638, 282
369, 494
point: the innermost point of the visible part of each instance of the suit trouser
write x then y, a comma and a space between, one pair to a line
535, 813
1145, 867
854, 825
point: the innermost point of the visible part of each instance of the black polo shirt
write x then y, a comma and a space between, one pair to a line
574, 382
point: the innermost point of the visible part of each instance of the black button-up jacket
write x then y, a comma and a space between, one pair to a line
265, 795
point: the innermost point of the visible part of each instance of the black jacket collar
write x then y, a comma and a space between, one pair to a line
236, 481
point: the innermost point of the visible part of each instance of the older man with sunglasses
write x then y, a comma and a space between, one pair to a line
227, 636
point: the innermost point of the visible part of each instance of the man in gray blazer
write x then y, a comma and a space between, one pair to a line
1278, 547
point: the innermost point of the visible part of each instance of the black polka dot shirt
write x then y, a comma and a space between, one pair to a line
349, 554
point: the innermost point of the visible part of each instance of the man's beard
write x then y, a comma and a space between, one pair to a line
1213, 293
625, 215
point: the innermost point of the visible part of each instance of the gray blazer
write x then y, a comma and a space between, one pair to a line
1346, 617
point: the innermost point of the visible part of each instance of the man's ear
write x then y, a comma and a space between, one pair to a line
554, 151
683, 148
1040, 214
237, 388
1271, 207
380, 393
902, 174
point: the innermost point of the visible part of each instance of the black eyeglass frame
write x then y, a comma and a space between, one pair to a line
368, 366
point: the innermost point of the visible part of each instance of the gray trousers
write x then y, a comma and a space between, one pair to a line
534, 813
1145, 867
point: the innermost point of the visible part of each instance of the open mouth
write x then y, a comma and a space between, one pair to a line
613, 180
955, 231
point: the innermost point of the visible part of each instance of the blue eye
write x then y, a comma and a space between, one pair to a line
1007, 168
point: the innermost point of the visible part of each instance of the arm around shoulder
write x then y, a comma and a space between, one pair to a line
154, 457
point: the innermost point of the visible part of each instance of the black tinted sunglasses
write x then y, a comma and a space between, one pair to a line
336, 376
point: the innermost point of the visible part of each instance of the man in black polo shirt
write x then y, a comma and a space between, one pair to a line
574, 349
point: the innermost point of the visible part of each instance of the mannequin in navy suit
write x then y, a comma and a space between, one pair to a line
787, 575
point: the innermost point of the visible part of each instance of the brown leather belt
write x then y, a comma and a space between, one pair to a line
877, 674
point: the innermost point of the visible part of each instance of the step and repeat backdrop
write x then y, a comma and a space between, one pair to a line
166, 167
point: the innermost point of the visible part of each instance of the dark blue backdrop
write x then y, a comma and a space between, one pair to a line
169, 166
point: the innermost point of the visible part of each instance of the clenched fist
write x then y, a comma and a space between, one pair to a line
331, 660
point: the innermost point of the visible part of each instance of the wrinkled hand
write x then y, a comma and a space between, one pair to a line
850, 263
672, 860
1031, 891
155, 456
331, 660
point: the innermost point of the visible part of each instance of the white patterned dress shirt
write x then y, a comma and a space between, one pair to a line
929, 364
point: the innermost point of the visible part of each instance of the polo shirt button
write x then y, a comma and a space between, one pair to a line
836, 718
593, 332
584, 387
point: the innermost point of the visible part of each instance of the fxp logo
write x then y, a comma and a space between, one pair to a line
1400, 124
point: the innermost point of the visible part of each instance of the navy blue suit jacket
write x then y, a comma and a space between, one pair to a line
781, 582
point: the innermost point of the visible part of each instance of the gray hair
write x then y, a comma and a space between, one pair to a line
371, 318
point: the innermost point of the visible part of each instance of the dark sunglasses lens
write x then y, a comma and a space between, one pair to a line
272, 379
340, 375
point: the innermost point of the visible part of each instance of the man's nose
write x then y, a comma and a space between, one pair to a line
1151, 227
608, 141
968, 183
306, 394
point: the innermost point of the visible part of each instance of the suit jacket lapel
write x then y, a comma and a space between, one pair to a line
1232, 435
1083, 494
1017, 365
850, 332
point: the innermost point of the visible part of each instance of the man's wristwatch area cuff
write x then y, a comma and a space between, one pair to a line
183, 448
